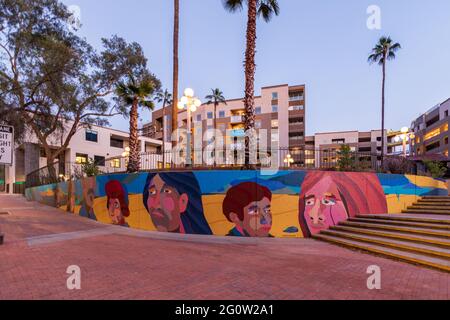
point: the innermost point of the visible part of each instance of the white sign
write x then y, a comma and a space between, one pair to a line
6, 144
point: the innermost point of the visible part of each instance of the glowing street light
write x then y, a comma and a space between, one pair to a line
404, 137
191, 104
288, 160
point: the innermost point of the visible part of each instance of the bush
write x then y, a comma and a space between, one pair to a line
397, 165
435, 168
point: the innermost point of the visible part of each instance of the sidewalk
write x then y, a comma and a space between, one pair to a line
118, 263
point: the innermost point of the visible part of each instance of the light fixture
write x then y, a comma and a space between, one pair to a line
405, 130
189, 92
180, 106
197, 103
397, 139
127, 149
184, 100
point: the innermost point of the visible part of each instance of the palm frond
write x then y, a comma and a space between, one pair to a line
233, 5
268, 8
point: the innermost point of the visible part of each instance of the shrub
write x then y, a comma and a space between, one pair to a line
435, 168
397, 165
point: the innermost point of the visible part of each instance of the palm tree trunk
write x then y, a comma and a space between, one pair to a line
382, 113
215, 131
250, 67
134, 158
164, 134
176, 27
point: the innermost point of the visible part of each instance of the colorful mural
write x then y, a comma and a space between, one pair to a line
236, 203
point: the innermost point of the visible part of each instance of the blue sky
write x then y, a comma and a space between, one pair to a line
321, 43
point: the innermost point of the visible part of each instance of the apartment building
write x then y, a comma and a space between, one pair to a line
279, 109
104, 145
325, 146
431, 133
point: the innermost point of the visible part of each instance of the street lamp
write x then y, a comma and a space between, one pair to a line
288, 160
191, 104
404, 137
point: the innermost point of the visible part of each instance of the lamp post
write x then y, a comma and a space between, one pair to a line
191, 104
288, 160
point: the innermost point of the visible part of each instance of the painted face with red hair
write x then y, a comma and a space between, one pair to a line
117, 204
328, 198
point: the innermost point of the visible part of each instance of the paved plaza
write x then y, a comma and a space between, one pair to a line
118, 263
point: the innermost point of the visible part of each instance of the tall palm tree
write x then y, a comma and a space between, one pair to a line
266, 9
176, 30
166, 98
383, 51
135, 94
216, 97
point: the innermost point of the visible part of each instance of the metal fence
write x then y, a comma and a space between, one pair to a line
285, 159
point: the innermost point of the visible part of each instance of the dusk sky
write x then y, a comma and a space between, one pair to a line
323, 44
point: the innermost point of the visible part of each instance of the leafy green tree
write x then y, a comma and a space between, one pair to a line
383, 51
346, 158
134, 94
265, 9
90, 168
52, 79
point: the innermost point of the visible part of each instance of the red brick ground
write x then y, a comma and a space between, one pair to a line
136, 265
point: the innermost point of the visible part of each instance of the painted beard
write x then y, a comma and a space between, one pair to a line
160, 219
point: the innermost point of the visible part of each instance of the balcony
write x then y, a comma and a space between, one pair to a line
237, 119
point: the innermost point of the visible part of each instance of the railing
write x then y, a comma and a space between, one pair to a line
284, 158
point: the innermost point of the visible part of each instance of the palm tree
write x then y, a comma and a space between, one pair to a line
176, 29
383, 51
166, 98
216, 97
266, 9
135, 94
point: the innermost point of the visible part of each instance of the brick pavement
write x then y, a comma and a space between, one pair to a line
41, 242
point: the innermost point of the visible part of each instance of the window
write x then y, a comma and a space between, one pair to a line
258, 124
275, 108
258, 110
210, 115
116, 143
274, 95
296, 108
338, 141
81, 158
199, 117
115, 163
367, 139
296, 96
446, 113
275, 124
221, 114
91, 135
379, 139
432, 146
99, 160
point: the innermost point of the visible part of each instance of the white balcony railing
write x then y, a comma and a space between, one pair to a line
237, 119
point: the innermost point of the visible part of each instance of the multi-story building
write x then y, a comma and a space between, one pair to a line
326, 146
279, 109
105, 146
431, 133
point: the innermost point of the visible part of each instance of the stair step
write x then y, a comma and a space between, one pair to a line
402, 217
422, 231
415, 258
429, 240
431, 203
437, 197
426, 211
404, 223
391, 243
420, 207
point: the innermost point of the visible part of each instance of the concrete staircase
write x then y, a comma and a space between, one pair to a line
414, 238
430, 205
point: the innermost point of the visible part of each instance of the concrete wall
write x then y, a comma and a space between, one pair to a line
234, 202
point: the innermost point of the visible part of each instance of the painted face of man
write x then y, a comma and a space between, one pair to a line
165, 205
115, 211
323, 206
257, 220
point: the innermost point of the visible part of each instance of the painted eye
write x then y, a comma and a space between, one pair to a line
167, 191
116, 205
310, 202
253, 211
328, 202
152, 192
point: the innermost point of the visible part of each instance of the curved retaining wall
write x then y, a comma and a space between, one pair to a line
236, 203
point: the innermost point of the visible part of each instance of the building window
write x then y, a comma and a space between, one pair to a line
274, 124
99, 160
115, 163
81, 158
91, 135
338, 141
221, 114
446, 113
199, 117
258, 110
296, 96
274, 95
210, 115
275, 108
258, 124
116, 143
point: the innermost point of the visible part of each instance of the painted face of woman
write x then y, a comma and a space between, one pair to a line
323, 206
